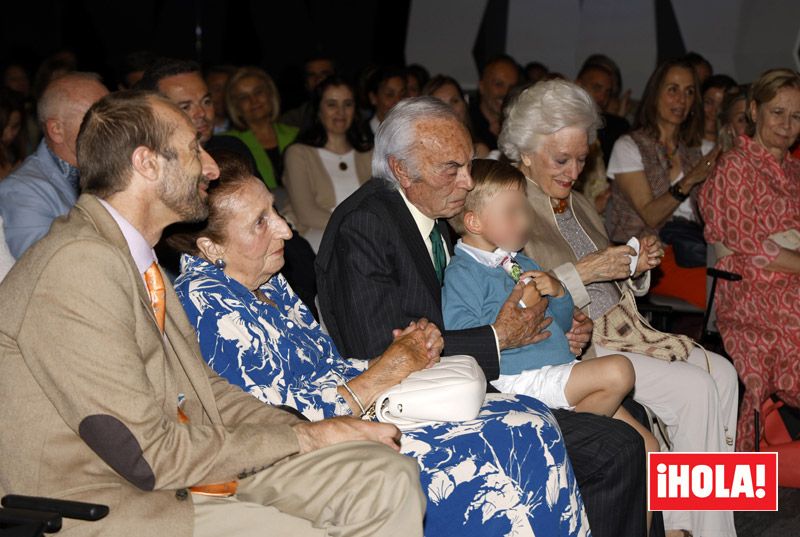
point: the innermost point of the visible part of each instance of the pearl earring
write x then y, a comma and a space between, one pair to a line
220, 263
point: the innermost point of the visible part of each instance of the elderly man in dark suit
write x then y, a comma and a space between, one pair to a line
380, 267
108, 400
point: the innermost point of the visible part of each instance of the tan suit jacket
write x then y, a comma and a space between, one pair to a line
90, 389
310, 187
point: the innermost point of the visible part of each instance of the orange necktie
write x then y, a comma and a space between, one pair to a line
155, 287
158, 297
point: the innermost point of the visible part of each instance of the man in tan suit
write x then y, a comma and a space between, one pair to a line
106, 396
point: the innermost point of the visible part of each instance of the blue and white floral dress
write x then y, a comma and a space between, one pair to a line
504, 473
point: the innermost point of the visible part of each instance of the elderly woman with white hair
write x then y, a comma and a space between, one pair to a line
546, 133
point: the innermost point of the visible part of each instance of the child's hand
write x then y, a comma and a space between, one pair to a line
546, 284
530, 294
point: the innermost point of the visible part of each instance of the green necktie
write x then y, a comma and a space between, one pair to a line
437, 248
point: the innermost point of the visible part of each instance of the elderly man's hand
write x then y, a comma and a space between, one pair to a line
319, 434
580, 334
516, 326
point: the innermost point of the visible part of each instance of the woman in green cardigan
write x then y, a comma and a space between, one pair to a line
254, 105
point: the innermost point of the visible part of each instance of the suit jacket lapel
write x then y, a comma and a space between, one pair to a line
181, 337
108, 228
178, 330
413, 239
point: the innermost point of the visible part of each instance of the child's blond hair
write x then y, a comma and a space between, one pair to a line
490, 178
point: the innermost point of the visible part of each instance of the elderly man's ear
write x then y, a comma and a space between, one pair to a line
55, 131
400, 171
146, 163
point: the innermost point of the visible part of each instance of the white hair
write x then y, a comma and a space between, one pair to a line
61, 92
397, 134
544, 109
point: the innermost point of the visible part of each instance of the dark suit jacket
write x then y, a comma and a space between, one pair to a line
374, 274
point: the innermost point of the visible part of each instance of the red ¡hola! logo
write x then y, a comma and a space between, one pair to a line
712, 481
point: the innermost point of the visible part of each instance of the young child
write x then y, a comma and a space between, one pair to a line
484, 270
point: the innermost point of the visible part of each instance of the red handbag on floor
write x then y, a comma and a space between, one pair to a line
777, 437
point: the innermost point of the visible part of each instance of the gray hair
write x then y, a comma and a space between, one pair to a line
397, 134
60, 92
544, 109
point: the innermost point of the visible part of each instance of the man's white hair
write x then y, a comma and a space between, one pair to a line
60, 93
397, 134
544, 109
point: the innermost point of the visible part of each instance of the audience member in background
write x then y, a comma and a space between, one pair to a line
416, 78
46, 185
254, 106
12, 117
751, 204
546, 133
702, 67
315, 70
598, 81
655, 168
498, 77
447, 89
330, 159
182, 82
58, 64
535, 71
217, 79
133, 67
379, 267
619, 103
714, 89
16, 78
386, 87
293, 362
731, 120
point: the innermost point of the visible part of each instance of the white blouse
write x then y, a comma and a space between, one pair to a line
345, 182
625, 158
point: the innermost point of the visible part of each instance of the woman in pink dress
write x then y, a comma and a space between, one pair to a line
751, 206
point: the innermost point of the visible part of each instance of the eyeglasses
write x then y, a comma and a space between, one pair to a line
258, 93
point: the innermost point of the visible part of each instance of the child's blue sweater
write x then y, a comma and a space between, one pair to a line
473, 294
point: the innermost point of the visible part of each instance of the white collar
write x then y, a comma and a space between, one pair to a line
424, 223
490, 259
141, 251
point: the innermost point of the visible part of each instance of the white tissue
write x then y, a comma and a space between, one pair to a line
634, 243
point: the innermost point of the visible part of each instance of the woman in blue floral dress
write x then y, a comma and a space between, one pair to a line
504, 473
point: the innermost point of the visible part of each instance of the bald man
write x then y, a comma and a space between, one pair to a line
46, 185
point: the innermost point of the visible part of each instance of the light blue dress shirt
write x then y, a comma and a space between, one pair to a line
42, 189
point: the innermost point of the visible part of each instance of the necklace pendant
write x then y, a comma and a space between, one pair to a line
561, 206
343, 166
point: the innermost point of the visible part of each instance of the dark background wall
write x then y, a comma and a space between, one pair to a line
740, 37
275, 35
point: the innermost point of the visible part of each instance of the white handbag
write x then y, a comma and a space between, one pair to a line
451, 390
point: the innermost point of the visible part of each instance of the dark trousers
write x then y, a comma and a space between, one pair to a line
609, 462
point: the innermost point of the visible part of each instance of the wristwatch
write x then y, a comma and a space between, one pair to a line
675, 192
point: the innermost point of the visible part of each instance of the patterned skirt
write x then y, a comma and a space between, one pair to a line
504, 473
